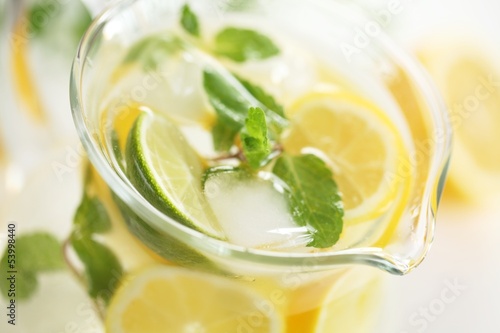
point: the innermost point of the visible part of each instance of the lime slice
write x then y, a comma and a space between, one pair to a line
168, 299
165, 169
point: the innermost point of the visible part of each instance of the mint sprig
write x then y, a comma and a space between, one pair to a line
312, 196
91, 217
189, 21
311, 192
254, 138
231, 101
35, 253
242, 45
102, 269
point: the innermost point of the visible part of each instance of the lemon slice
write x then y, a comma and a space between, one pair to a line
357, 296
350, 303
358, 141
467, 76
167, 299
166, 170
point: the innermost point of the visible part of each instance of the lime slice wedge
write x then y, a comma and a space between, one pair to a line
166, 170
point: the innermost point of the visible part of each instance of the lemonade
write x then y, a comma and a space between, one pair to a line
250, 162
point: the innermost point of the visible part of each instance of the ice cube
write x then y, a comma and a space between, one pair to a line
286, 76
253, 212
175, 88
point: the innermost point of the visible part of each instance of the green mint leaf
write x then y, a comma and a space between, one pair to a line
260, 95
189, 21
312, 196
241, 45
227, 101
231, 101
39, 252
254, 138
26, 283
33, 253
91, 217
46, 20
40, 15
223, 135
153, 50
230, 106
102, 269
238, 5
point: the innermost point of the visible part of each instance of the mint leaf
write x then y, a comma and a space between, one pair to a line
40, 16
39, 252
34, 253
230, 106
312, 196
254, 138
231, 101
238, 5
91, 216
46, 20
102, 269
241, 45
260, 95
227, 101
223, 135
25, 280
153, 50
189, 21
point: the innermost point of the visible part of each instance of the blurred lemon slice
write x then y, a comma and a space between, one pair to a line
351, 304
469, 80
167, 299
360, 143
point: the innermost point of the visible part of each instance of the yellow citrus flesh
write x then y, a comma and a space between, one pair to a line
354, 311
358, 140
349, 304
468, 80
124, 121
167, 299
22, 77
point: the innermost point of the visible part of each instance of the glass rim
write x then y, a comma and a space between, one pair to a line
207, 245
